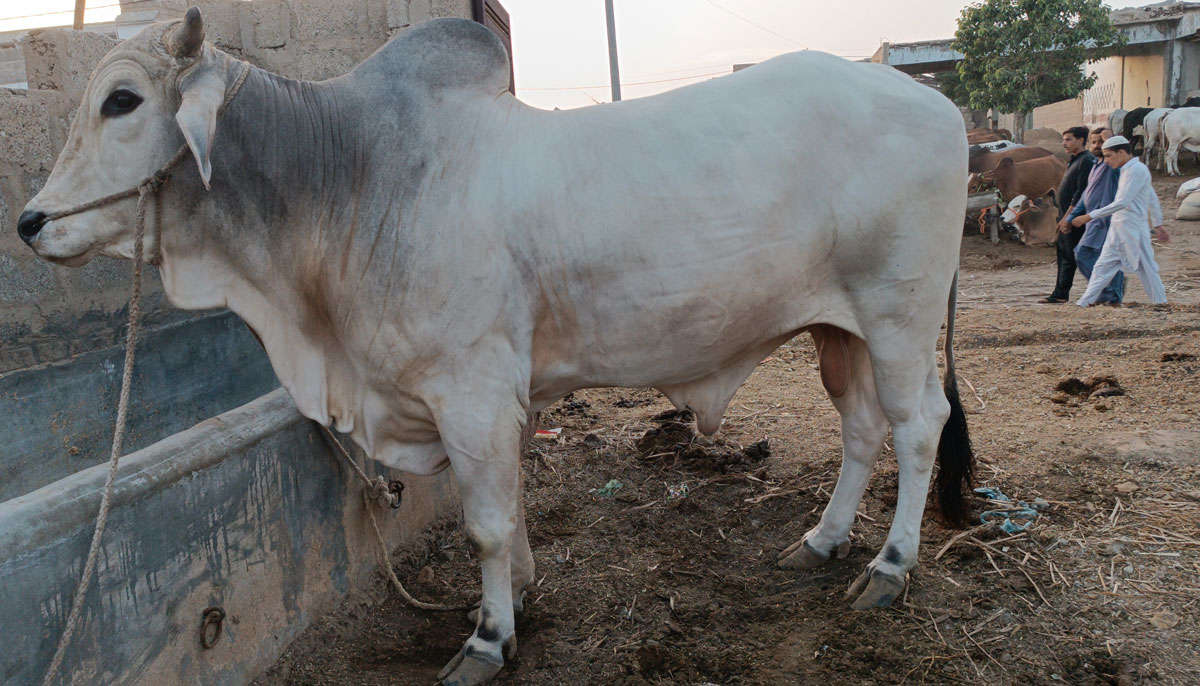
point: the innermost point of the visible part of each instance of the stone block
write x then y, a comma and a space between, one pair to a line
316, 64
317, 20
33, 127
450, 8
12, 64
63, 59
171, 7
272, 23
222, 22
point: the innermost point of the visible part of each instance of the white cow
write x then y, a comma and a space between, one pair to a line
1181, 130
1153, 127
428, 261
1116, 121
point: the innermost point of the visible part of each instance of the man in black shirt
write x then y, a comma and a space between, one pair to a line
1069, 193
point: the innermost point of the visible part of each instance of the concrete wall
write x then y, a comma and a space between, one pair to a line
12, 65
1059, 115
62, 61
58, 418
305, 39
1144, 82
1140, 79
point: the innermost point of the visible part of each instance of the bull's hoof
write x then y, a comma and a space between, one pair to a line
874, 588
801, 555
470, 668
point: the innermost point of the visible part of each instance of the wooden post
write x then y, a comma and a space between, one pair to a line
79, 6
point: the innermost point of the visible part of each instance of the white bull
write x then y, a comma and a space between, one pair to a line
1181, 130
1152, 141
428, 261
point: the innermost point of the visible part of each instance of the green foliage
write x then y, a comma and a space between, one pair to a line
951, 86
1022, 54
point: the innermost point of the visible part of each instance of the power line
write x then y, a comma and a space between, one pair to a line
70, 10
635, 83
754, 23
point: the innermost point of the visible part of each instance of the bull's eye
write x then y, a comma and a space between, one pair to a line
120, 102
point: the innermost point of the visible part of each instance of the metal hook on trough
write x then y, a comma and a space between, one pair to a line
211, 617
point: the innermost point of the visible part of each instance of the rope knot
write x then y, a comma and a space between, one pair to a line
154, 182
384, 491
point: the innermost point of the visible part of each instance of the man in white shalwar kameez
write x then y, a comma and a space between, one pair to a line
1127, 246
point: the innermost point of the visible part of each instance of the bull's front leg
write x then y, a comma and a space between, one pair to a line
483, 445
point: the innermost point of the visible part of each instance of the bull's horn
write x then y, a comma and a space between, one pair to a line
186, 40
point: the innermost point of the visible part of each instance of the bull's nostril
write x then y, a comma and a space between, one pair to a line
30, 224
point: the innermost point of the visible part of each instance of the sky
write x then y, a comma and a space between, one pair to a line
560, 47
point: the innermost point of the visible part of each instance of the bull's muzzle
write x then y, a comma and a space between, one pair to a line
30, 224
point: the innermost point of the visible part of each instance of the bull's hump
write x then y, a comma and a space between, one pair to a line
445, 53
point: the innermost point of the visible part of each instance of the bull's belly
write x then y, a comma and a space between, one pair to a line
697, 353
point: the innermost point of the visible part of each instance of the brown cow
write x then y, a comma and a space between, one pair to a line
1034, 219
986, 161
1033, 178
976, 136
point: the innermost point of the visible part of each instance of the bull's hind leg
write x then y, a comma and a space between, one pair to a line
912, 399
846, 375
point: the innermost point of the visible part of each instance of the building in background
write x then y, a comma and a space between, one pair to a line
1159, 67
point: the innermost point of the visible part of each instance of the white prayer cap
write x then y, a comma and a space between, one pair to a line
1014, 206
1114, 141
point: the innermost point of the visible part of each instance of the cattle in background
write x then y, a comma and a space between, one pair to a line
981, 160
1035, 219
429, 261
1033, 178
975, 136
1116, 120
1153, 126
1131, 121
1181, 131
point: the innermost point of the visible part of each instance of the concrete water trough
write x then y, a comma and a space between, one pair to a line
227, 498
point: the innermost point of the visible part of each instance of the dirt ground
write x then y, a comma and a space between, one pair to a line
1091, 414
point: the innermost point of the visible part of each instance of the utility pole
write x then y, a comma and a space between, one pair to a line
614, 74
79, 5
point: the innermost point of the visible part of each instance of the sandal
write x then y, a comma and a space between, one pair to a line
1053, 300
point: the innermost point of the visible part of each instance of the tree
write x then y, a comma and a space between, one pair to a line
1022, 54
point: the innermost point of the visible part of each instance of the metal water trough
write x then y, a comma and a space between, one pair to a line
225, 539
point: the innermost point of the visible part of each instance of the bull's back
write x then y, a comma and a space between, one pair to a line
725, 214
788, 150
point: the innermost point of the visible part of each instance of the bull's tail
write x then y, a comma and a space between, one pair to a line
955, 459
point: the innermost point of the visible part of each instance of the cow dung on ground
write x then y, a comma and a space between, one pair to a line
675, 438
1096, 386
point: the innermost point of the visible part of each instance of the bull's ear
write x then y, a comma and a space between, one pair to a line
202, 91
